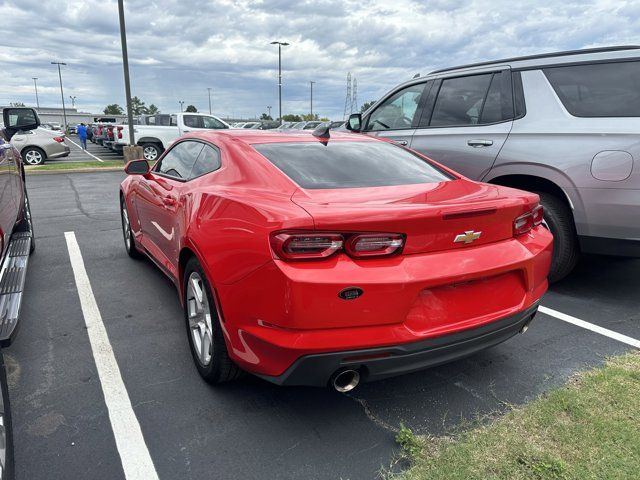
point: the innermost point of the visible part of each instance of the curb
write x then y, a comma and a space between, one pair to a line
74, 170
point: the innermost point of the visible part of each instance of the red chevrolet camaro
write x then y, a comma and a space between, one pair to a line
314, 260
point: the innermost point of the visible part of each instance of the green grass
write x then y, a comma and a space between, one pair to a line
588, 429
52, 165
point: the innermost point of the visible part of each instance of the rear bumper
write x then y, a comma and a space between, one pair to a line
379, 363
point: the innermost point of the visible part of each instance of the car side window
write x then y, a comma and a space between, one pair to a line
193, 121
211, 122
398, 111
179, 161
208, 161
460, 101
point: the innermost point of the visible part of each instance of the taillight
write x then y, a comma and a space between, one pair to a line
59, 139
524, 223
374, 244
119, 132
318, 245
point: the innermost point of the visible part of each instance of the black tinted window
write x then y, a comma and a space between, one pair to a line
179, 161
208, 161
193, 121
349, 164
498, 105
600, 90
460, 101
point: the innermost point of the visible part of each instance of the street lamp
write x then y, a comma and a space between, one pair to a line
73, 100
311, 83
35, 84
125, 68
269, 108
209, 89
280, 45
181, 102
64, 110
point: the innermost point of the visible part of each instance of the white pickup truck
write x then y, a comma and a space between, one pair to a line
155, 133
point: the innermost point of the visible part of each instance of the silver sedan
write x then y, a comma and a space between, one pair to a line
38, 145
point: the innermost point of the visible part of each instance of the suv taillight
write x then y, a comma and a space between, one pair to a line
318, 245
120, 132
524, 223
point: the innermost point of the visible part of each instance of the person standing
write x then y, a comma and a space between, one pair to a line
81, 131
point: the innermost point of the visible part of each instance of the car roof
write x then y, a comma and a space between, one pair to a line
249, 137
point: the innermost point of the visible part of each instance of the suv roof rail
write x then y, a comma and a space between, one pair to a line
542, 55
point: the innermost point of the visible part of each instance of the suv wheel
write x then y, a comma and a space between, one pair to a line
558, 219
202, 317
34, 156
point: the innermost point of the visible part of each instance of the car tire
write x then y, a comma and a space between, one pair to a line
7, 425
151, 151
26, 222
34, 156
206, 339
558, 219
127, 233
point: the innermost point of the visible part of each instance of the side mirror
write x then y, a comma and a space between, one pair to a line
137, 167
20, 119
354, 123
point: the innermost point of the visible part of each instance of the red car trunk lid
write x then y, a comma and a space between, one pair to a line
432, 215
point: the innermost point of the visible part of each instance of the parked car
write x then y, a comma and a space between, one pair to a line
16, 246
72, 129
37, 146
336, 125
285, 125
154, 139
305, 125
251, 125
564, 125
361, 259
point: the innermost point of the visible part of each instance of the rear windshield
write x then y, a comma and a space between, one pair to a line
349, 164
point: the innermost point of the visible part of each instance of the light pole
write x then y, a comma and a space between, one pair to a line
311, 83
181, 102
280, 45
73, 101
125, 67
209, 89
35, 84
269, 108
64, 110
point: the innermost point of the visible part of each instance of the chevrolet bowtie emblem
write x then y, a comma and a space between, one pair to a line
467, 237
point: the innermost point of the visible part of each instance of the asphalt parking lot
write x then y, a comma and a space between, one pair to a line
248, 429
93, 153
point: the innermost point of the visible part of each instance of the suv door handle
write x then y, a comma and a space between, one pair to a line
479, 143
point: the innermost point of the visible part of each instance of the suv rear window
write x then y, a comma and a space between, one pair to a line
317, 165
598, 90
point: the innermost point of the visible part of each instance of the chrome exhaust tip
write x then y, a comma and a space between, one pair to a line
345, 380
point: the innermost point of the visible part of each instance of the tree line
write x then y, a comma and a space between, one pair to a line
139, 108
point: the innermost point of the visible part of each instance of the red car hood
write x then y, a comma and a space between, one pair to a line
431, 215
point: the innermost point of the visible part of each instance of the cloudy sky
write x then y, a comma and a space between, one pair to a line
178, 48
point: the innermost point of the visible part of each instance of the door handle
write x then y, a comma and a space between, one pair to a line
169, 201
404, 143
479, 143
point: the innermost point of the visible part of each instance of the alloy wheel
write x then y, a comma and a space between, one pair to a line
33, 157
150, 153
199, 315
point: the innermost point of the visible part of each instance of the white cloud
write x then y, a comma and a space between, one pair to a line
178, 48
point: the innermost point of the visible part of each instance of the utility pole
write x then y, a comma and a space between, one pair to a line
125, 66
311, 83
64, 110
73, 101
35, 83
269, 109
181, 102
209, 89
280, 45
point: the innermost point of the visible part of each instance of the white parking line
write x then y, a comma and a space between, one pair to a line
85, 151
134, 455
590, 326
